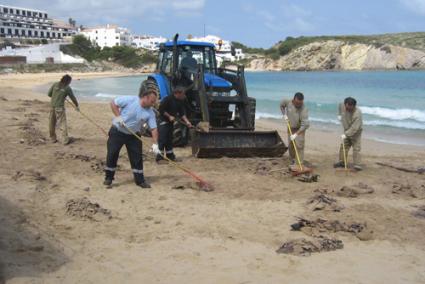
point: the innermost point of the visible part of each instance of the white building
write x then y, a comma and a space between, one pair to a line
41, 54
29, 23
148, 42
223, 48
109, 35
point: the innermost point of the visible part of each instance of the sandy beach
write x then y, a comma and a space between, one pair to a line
372, 222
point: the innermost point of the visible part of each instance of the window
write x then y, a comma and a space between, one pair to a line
45, 16
167, 62
48, 34
41, 34
9, 31
24, 13
29, 33
18, 12
53, 34
6, 10
35, 33
16, 32
23, 32
2, 30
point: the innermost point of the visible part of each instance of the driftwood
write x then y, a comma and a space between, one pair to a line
407, 170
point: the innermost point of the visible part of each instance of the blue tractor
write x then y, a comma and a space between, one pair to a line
217, 102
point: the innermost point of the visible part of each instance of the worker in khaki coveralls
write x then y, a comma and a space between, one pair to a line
352, 122
297, 114
58, 93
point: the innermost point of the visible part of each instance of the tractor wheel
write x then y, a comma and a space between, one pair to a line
149, 84
180, 135
180, 132
252, 106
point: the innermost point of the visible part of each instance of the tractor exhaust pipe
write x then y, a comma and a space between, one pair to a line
175, 59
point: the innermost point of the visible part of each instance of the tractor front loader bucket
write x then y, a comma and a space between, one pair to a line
237, 143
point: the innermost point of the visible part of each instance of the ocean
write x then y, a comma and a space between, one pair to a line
392, 102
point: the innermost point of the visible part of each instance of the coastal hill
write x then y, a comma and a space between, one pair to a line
374, 52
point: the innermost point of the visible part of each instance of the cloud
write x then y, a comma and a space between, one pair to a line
188, 5
416, 6
289, 18
95, 12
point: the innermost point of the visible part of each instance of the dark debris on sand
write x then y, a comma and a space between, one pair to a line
319, 226
420, 212
324, 202
86, 210
408, 190
32, 135
201, 186
303, 247
32, 175
96, 164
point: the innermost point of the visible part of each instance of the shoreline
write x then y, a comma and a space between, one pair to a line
381, 134
27, 86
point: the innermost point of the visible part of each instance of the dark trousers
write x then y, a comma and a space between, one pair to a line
165, 140
134, 150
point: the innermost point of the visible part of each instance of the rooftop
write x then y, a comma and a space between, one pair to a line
21, 8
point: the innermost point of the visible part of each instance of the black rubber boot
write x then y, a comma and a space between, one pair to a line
143, 184
339, 165
159, 158
172, 157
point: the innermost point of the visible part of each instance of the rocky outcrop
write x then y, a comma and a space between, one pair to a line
339, 55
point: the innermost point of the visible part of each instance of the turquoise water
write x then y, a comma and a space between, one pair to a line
392, 102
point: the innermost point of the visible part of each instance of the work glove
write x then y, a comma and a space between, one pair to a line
343, 136
339, 117
155, 149
293, 136
285, 117
119, 120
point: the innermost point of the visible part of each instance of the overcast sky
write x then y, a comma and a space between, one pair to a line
250, 22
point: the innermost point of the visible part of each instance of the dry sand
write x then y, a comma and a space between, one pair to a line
166, 235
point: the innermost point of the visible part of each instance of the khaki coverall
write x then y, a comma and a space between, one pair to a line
298, 119
57, 116
352, 123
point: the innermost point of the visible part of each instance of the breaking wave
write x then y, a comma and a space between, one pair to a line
395, 114
376, 122
104, 95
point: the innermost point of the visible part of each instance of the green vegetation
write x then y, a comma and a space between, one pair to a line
124, 55
247, 49
409, 40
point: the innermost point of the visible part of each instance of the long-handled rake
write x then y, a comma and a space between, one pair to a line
301, 170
